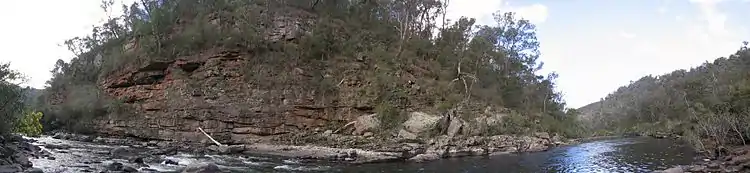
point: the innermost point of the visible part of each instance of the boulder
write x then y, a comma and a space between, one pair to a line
419, 124
482, 124
455, 126
118, 152
34, 170
202, 168
21, 159
543, 135
366, 123
327, 133
115, 166
232, 149
137, 160
10, 168
171, 162
57, 146
698, 168
129, 169
673, 170
425, 157
406, 134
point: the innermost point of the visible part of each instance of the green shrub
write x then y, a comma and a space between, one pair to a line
30, 124
390, 117
11, 98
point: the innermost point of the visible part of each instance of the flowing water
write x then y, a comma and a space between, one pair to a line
640, 154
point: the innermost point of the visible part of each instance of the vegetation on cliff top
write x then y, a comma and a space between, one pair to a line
469, 66
708, 104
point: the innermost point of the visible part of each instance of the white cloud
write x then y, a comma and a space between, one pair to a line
536, 13
715, 19
626, 35
30, 40
482, 10
662, 10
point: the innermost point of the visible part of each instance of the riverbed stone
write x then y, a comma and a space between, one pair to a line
129, 169
171, 162
57, 146
137, 160
34, 170
425, 157
115, 166
10, 168
202, 168
713, 165
22, 160
118, 152
673, 170
697, 168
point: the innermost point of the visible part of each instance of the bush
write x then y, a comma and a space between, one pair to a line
390, 116
516, 124
30, 124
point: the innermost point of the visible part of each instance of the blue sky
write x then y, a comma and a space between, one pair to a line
599, 45
595, 45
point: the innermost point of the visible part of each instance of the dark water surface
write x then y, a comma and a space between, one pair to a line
640, 154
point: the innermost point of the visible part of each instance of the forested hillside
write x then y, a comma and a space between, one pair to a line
280, 67
709, 102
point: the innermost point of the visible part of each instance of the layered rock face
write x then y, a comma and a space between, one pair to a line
170, 100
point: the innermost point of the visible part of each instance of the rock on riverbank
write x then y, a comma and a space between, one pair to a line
422, 137
735, 160
351, 148
15, 152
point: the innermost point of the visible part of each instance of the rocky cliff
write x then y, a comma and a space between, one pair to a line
336, 74
171, 99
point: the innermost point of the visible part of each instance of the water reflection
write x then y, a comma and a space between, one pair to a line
614, 155
586, 157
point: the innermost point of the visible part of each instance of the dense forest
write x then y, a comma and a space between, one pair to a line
471, 65
709, 102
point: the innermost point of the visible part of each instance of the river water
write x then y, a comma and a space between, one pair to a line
640, 154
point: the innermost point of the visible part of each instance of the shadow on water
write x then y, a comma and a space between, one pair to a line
639, 154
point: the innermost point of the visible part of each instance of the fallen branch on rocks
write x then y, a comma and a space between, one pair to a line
342, 81
344, 127
209, 137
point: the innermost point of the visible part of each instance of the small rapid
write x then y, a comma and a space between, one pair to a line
74, 156
640, 154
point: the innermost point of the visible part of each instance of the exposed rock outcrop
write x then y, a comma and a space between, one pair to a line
736, 160
240, 99
15, 152
170, 100
418, 124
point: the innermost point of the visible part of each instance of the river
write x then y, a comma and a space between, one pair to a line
638, 154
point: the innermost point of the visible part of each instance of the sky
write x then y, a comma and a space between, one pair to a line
595, 46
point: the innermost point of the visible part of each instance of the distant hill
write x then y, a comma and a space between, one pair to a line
31, 95
710, 101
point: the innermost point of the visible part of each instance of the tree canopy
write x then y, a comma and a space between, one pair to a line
11, 98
